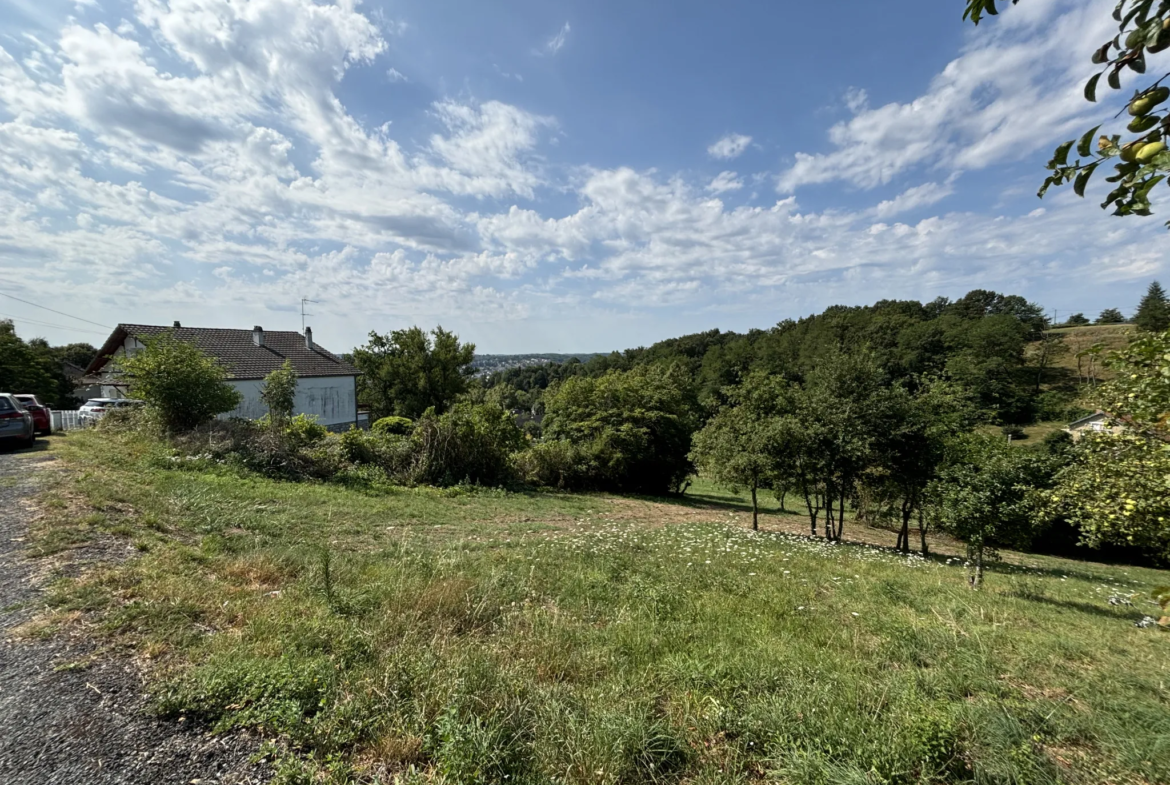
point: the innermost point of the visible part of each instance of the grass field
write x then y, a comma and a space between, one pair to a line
415, 635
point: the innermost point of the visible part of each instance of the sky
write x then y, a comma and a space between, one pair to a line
544, 176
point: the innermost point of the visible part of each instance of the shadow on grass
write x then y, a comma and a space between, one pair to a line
1117, 614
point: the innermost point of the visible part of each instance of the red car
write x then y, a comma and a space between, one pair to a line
40, 413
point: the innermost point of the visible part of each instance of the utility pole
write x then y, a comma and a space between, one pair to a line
304, 301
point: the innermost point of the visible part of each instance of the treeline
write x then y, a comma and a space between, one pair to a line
37, 368
978, 341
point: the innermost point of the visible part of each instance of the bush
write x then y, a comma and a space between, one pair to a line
469, 443
303, 431
556, 464
182, 384
636, 426
399, 426
357, 446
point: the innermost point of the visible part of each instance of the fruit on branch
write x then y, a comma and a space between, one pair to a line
1144, 103
1139, 124
1129, 152
1148, 151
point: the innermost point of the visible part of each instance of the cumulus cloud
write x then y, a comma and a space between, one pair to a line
730, 146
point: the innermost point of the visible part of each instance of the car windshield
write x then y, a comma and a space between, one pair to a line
95, 404
27, 400
6, 405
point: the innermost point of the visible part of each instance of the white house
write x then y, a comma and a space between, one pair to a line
326, 384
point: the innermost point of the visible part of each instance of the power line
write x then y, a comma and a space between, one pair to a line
48, 324
60, 313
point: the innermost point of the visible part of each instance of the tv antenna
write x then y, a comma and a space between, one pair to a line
304, 301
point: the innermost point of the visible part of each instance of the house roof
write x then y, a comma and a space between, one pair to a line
1097, 415
236, 351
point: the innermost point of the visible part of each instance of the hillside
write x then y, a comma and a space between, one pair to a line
419, 635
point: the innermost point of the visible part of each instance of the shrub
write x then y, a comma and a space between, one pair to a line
279, 392
470, 443
303, 431
556, 464
636, 425
357, 446
182, 384
399, 426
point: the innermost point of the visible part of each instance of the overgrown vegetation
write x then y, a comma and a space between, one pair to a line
397, 635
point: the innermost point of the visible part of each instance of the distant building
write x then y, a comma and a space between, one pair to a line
326, 384
1097, 422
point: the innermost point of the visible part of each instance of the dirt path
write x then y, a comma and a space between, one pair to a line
69, 717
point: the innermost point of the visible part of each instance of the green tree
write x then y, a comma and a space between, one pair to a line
1077, 320
1153, 313
990, 495
279, 393
182, 384
737, 447
636, 426
22, 369
1117, 489
408, 371
1143, 161
1110, 316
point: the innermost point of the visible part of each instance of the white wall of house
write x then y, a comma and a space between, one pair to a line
331, 399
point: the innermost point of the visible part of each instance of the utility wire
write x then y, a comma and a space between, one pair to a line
23, 320
61, 313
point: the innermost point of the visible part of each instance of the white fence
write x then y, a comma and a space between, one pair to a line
65, 420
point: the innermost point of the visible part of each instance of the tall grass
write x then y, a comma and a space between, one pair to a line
463, 637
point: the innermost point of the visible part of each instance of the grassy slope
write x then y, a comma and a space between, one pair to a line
434, 636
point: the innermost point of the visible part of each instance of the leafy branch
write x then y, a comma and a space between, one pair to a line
1141, 161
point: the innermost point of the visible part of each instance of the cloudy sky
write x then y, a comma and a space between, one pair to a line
542, 176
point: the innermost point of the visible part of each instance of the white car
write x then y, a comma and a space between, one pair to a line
95, 408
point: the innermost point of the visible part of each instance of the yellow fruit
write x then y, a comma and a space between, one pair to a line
1139, 124
1148, 151
1140, 107
1129, 152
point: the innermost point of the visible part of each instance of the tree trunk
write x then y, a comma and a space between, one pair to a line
840, 517
755, 511
904, 534
922, 532
976, 576
783, 496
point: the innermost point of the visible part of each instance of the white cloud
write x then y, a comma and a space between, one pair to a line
915, 198
857, 99
725, 181
1016, 87
394, 75
557, 42
730, 146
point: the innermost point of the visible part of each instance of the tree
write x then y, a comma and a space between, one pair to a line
914, 448
1077, 320
635, 425
21, 369
407, 372
1143, 161
1116, 489
279, 392
182, 384
1110, 316
989, 495
737, 447
1153, 313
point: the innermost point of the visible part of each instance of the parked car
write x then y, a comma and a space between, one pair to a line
95, 408
16, 424
39, 412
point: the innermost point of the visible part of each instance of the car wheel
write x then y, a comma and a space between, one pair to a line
46, 432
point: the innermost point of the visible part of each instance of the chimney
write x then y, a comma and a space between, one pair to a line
177, 325
309, 338
258, 335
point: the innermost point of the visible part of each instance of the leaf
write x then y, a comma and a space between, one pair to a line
1060, 157
1091, 88
1114, 80
1149, 184
1117, 10
1083, 179
1114, 195
1138, 64
1085, 147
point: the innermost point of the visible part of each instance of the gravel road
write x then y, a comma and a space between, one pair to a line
85, 725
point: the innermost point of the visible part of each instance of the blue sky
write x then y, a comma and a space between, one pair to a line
542, 176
